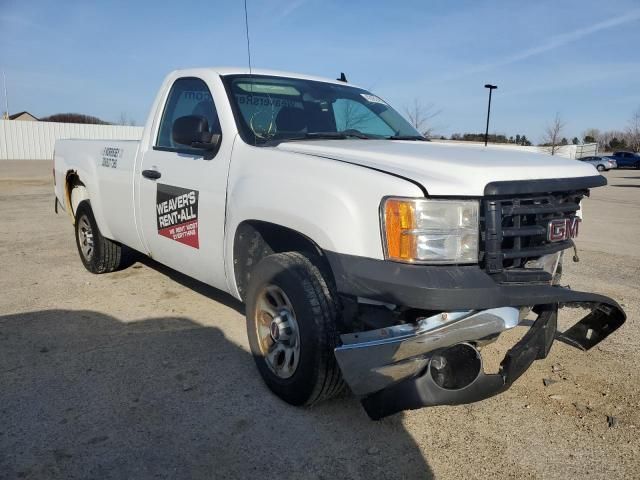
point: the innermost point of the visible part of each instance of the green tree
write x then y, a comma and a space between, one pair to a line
575, 141
616, 144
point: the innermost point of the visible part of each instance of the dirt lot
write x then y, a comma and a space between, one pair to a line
146, 374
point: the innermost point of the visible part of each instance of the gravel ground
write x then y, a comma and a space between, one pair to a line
146, 374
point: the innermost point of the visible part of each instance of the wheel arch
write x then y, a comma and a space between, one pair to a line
75, 191
255, 239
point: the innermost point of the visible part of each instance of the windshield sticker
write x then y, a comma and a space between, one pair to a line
177, 214
259, 100
272, 89
110, 156
197, 96
372, 98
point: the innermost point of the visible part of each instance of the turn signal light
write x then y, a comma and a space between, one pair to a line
399, 217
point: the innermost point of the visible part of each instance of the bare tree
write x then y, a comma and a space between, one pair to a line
421, 115
125, 119
353, 116
553, 134
74, 118
633, 132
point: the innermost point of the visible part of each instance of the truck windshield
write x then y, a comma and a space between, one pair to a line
272, 109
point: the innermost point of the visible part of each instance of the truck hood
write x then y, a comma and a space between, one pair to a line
442, 168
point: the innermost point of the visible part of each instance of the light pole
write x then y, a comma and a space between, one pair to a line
486, 132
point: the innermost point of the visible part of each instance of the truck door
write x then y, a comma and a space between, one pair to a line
182, 190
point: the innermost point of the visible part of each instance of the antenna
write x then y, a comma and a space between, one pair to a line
343, 77
246, 25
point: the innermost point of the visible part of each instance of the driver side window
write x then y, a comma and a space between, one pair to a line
188, 96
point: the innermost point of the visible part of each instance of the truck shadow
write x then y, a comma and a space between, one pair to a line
85, 395
191, 283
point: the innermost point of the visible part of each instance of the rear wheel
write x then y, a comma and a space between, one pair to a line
98, 254
291, 324
601, 168
637, 165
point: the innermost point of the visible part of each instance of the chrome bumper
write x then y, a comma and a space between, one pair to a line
373, 360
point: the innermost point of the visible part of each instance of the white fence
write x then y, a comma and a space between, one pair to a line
567, 151
22, 140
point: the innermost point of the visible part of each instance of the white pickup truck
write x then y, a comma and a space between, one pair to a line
365, 254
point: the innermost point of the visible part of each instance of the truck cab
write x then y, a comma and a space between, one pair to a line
367, 256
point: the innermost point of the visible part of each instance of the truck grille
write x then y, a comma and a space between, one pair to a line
514, 229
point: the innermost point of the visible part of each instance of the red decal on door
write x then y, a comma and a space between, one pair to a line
177, 214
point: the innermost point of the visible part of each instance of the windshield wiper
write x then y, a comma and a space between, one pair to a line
408, 137
328, 136
337, 135
345, 134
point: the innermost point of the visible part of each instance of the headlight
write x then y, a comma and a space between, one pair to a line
430, 231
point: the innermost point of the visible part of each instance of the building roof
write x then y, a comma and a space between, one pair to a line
19, 114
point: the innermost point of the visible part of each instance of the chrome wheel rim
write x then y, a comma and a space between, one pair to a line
85, 237
277, 331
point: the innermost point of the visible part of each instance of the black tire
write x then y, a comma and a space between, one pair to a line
601, 168
317, 376
106, 255
637, 165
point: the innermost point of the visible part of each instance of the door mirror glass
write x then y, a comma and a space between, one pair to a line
193, 131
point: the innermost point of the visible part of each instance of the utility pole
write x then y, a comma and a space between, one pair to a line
486, 132
6, 98
5, 155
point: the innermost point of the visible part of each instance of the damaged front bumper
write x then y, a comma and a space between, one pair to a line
395, 369
435, 361
373, 360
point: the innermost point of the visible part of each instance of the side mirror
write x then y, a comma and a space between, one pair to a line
193, 131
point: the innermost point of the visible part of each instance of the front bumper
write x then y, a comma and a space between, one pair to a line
391, 368
422, 390
374, 360
444, 288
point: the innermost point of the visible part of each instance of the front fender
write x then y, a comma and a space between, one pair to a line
336, 205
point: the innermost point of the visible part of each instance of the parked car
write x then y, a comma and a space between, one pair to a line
603, 164
627, 159
364, 254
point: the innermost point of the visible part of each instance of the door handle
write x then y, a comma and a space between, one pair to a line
152, 174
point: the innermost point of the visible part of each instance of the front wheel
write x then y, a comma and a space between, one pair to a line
637, 165
291, 324
600, 168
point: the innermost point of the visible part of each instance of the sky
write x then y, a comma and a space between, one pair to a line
580, 59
